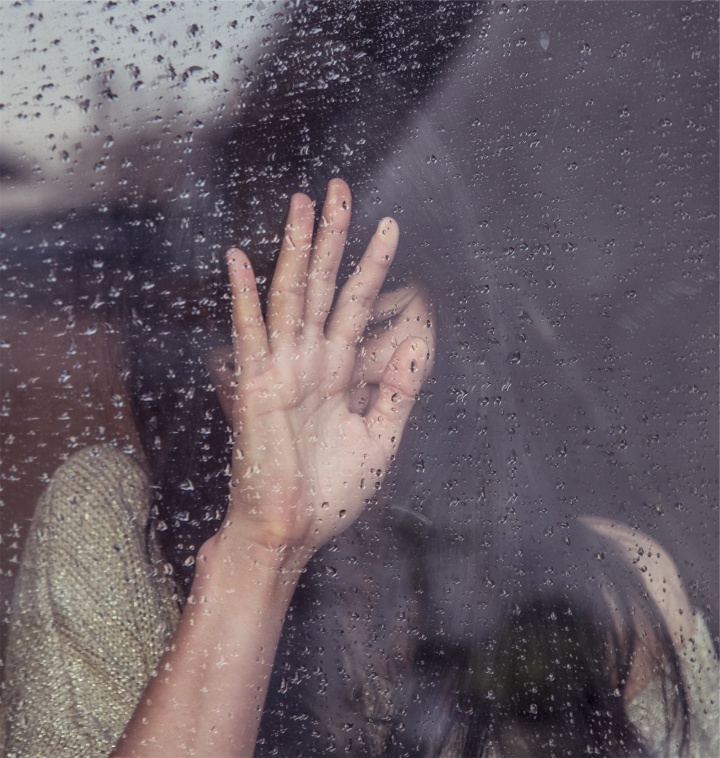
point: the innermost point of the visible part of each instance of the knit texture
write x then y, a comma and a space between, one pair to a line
93, 614
701, 675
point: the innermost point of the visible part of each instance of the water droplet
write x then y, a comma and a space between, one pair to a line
187, 486
342, 513
544, 40
325, 506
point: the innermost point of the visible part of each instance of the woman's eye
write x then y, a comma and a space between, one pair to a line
384, 324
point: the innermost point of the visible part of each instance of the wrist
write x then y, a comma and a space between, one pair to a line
227, 561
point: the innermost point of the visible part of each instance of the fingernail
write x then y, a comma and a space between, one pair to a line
419, 361
232, 256
300, 201
388, 228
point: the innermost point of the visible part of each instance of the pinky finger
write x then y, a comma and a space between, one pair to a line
400, 385
250, 339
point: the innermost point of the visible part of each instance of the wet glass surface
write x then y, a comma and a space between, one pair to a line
553, 170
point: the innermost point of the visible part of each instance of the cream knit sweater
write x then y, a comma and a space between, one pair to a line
92, 616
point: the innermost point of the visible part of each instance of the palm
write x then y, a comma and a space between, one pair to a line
303, 463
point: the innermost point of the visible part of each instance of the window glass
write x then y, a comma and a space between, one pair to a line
548, 524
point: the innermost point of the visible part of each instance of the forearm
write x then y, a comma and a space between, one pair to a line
208, 695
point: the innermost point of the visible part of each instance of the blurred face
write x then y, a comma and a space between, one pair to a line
397, 315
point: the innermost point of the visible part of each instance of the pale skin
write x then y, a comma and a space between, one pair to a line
318, 398
317, 414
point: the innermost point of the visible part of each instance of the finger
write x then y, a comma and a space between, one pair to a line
286, 299
358, 296
399, 387
249, 333
395, 317
326, 255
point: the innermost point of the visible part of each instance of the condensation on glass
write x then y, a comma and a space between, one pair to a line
553, 169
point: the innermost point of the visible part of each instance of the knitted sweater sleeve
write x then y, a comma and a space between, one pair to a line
91, 616
701, 675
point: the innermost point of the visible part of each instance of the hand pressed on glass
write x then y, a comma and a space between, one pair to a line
303, 462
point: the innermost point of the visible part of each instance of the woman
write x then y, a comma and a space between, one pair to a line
315, 428
477, 613
101, 659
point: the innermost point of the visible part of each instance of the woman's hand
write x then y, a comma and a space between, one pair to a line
304, 462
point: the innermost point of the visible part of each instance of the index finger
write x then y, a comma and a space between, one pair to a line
358, 296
